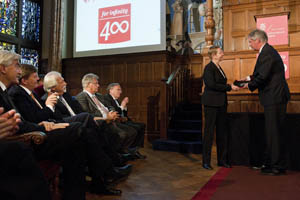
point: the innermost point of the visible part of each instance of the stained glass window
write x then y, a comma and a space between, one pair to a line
8, 17
31, 13
30, 56
7, 46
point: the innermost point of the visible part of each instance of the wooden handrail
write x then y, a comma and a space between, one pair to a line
172, 92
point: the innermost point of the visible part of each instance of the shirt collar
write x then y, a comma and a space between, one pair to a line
26, 89
91, 95
3, 87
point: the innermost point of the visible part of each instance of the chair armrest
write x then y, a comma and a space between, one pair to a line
36, 137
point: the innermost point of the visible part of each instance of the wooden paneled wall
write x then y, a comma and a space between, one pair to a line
139, 74
239, 20
239, 61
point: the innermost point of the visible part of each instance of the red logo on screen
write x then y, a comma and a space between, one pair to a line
114, 24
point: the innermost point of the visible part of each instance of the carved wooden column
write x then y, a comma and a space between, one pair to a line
209, 24
55, 53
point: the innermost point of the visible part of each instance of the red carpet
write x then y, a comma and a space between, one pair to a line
247, 184
211, 186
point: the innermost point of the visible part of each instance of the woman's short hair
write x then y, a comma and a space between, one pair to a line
88, 78
213, 51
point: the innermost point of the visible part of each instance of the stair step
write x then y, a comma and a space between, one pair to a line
186, 124
192, 115
177, 146
185, 135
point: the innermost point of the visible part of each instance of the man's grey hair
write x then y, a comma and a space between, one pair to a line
88, 78
111, 85
50, 80
7, 57
258, 34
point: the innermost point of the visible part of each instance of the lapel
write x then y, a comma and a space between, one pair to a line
218, 71
90, 100
23, 92
257, 64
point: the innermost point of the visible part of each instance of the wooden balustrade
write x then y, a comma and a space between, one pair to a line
173, 90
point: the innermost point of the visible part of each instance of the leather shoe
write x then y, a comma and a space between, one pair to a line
125, 170
273, 172
105, 191
118, 174
138, 155
207, 166
225, 165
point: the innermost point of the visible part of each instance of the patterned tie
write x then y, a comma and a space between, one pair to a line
36, 101
62, 99
100, 106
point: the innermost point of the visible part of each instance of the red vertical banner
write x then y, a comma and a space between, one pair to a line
276, 28
114, 24
285, 59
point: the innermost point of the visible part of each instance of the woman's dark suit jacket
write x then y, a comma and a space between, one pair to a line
215, 86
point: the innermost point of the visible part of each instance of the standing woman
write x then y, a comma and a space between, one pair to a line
214, 100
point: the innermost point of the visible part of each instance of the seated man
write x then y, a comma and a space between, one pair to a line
25, 100
18, 166
66, 143
111, 100
91, 102
68, 108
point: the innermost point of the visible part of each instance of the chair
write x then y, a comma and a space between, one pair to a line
49, 168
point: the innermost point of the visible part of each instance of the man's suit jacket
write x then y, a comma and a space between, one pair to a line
27, 107
88, 104
24, 126
215, 86
269, 78
61, 110
110, 102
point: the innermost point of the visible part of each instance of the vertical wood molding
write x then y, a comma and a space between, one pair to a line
209, 24
55, 53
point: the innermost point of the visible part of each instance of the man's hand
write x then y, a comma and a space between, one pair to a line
234, 87
50, 126
246, 86
125, 102
8, 123
52, 100
112, 115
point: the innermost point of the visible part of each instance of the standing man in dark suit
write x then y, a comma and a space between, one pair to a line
269, 78
112, 100
214, 99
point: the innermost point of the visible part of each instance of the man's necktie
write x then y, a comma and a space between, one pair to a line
36, 101
102, 108
62, 99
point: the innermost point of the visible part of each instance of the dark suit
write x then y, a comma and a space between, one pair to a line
17, 169
139, 127
28, 108
269, 78
99, 162
214, 99
63, 146
127, 133
110, 141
